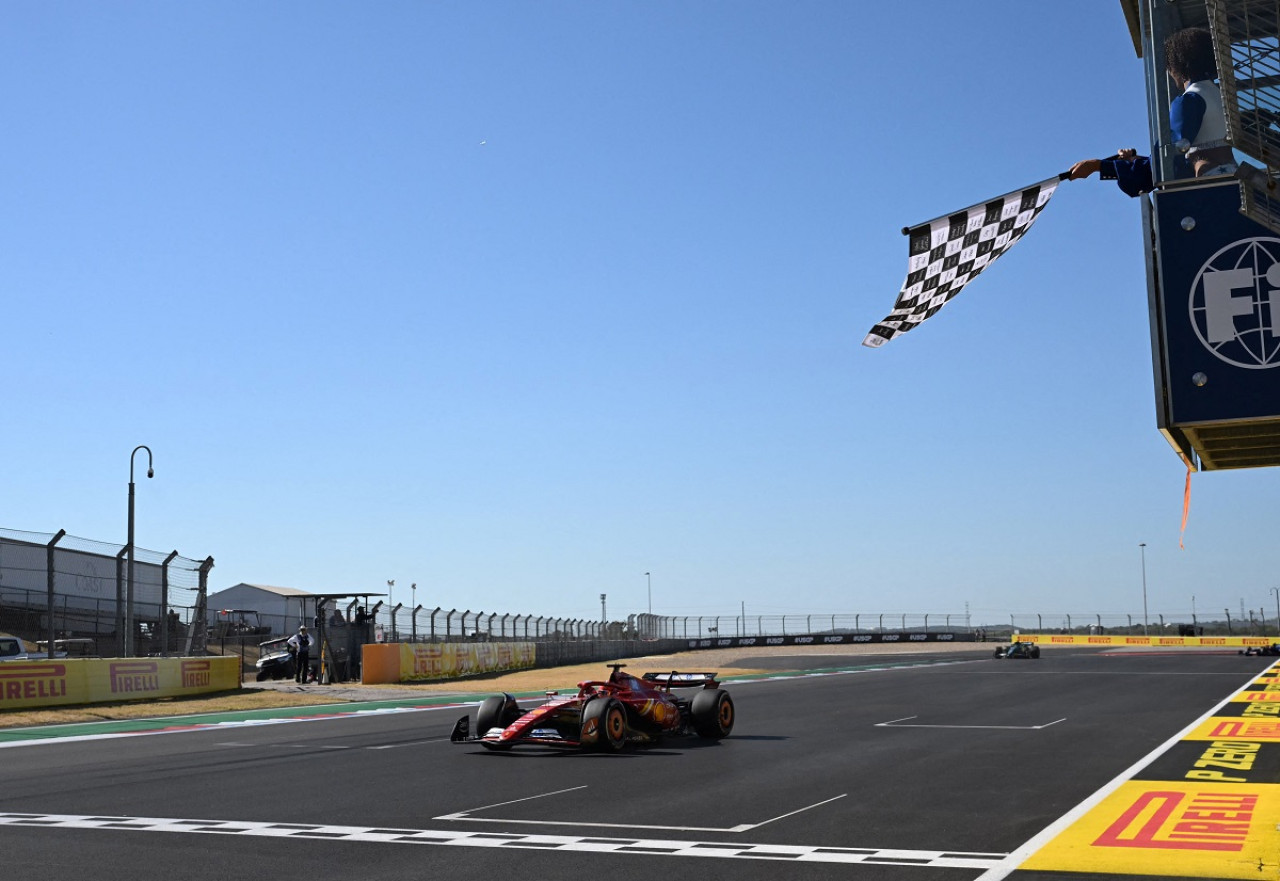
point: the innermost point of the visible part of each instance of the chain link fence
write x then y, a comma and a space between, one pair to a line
76, 592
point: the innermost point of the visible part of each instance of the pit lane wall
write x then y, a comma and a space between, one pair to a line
426, 661
423, 662
1236, 642
25, 684
824, 639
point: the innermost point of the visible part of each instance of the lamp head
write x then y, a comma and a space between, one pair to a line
151, 472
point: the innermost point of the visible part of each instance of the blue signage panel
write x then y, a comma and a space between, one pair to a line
1219, 306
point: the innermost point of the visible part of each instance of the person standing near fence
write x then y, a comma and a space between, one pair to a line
301, 644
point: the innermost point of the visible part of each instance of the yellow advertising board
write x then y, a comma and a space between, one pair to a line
97, 680
421, 662
1236, 642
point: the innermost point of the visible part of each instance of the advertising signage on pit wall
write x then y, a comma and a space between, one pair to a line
1149, 641
93, 680
826, 639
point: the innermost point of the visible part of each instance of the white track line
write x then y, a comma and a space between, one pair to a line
897, 723
741, 827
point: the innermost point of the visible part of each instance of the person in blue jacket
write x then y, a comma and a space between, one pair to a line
1195, 121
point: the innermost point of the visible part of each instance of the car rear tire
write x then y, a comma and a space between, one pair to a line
713, 713
604, 725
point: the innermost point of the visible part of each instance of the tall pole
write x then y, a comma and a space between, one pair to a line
1276, 591
1143, 546
128, 587
391, 606
50, 569
649, 583
604, 615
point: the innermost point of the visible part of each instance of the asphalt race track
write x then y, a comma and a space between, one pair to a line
934, 772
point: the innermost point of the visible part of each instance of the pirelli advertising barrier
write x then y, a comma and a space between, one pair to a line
1235, 642
827, 639
1206, 807
98, 680
420, 662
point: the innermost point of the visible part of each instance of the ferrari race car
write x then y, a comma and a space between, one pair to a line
606, 716
1018, 650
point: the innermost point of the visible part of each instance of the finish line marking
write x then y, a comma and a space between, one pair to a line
648, 846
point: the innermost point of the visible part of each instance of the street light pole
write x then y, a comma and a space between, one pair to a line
1276, 591
649, 583
1145, 622
128, 584
391, 606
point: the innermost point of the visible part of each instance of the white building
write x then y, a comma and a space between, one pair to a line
281, 608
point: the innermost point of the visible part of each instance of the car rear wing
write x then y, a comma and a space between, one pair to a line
675, 679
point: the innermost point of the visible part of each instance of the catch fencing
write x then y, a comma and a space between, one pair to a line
76, 591
400, 624
440, 625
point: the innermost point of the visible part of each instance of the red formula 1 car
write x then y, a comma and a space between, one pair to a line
606, 715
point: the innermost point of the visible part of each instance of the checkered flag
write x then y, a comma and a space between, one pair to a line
948, 252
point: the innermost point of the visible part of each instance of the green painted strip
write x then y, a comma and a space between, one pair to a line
195, 720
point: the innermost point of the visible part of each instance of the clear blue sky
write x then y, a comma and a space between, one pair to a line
519, 301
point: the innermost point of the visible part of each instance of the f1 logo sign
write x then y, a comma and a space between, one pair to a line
1235, 303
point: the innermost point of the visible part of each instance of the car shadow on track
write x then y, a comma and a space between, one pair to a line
633, 751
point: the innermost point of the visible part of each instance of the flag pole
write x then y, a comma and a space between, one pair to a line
1062, 175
